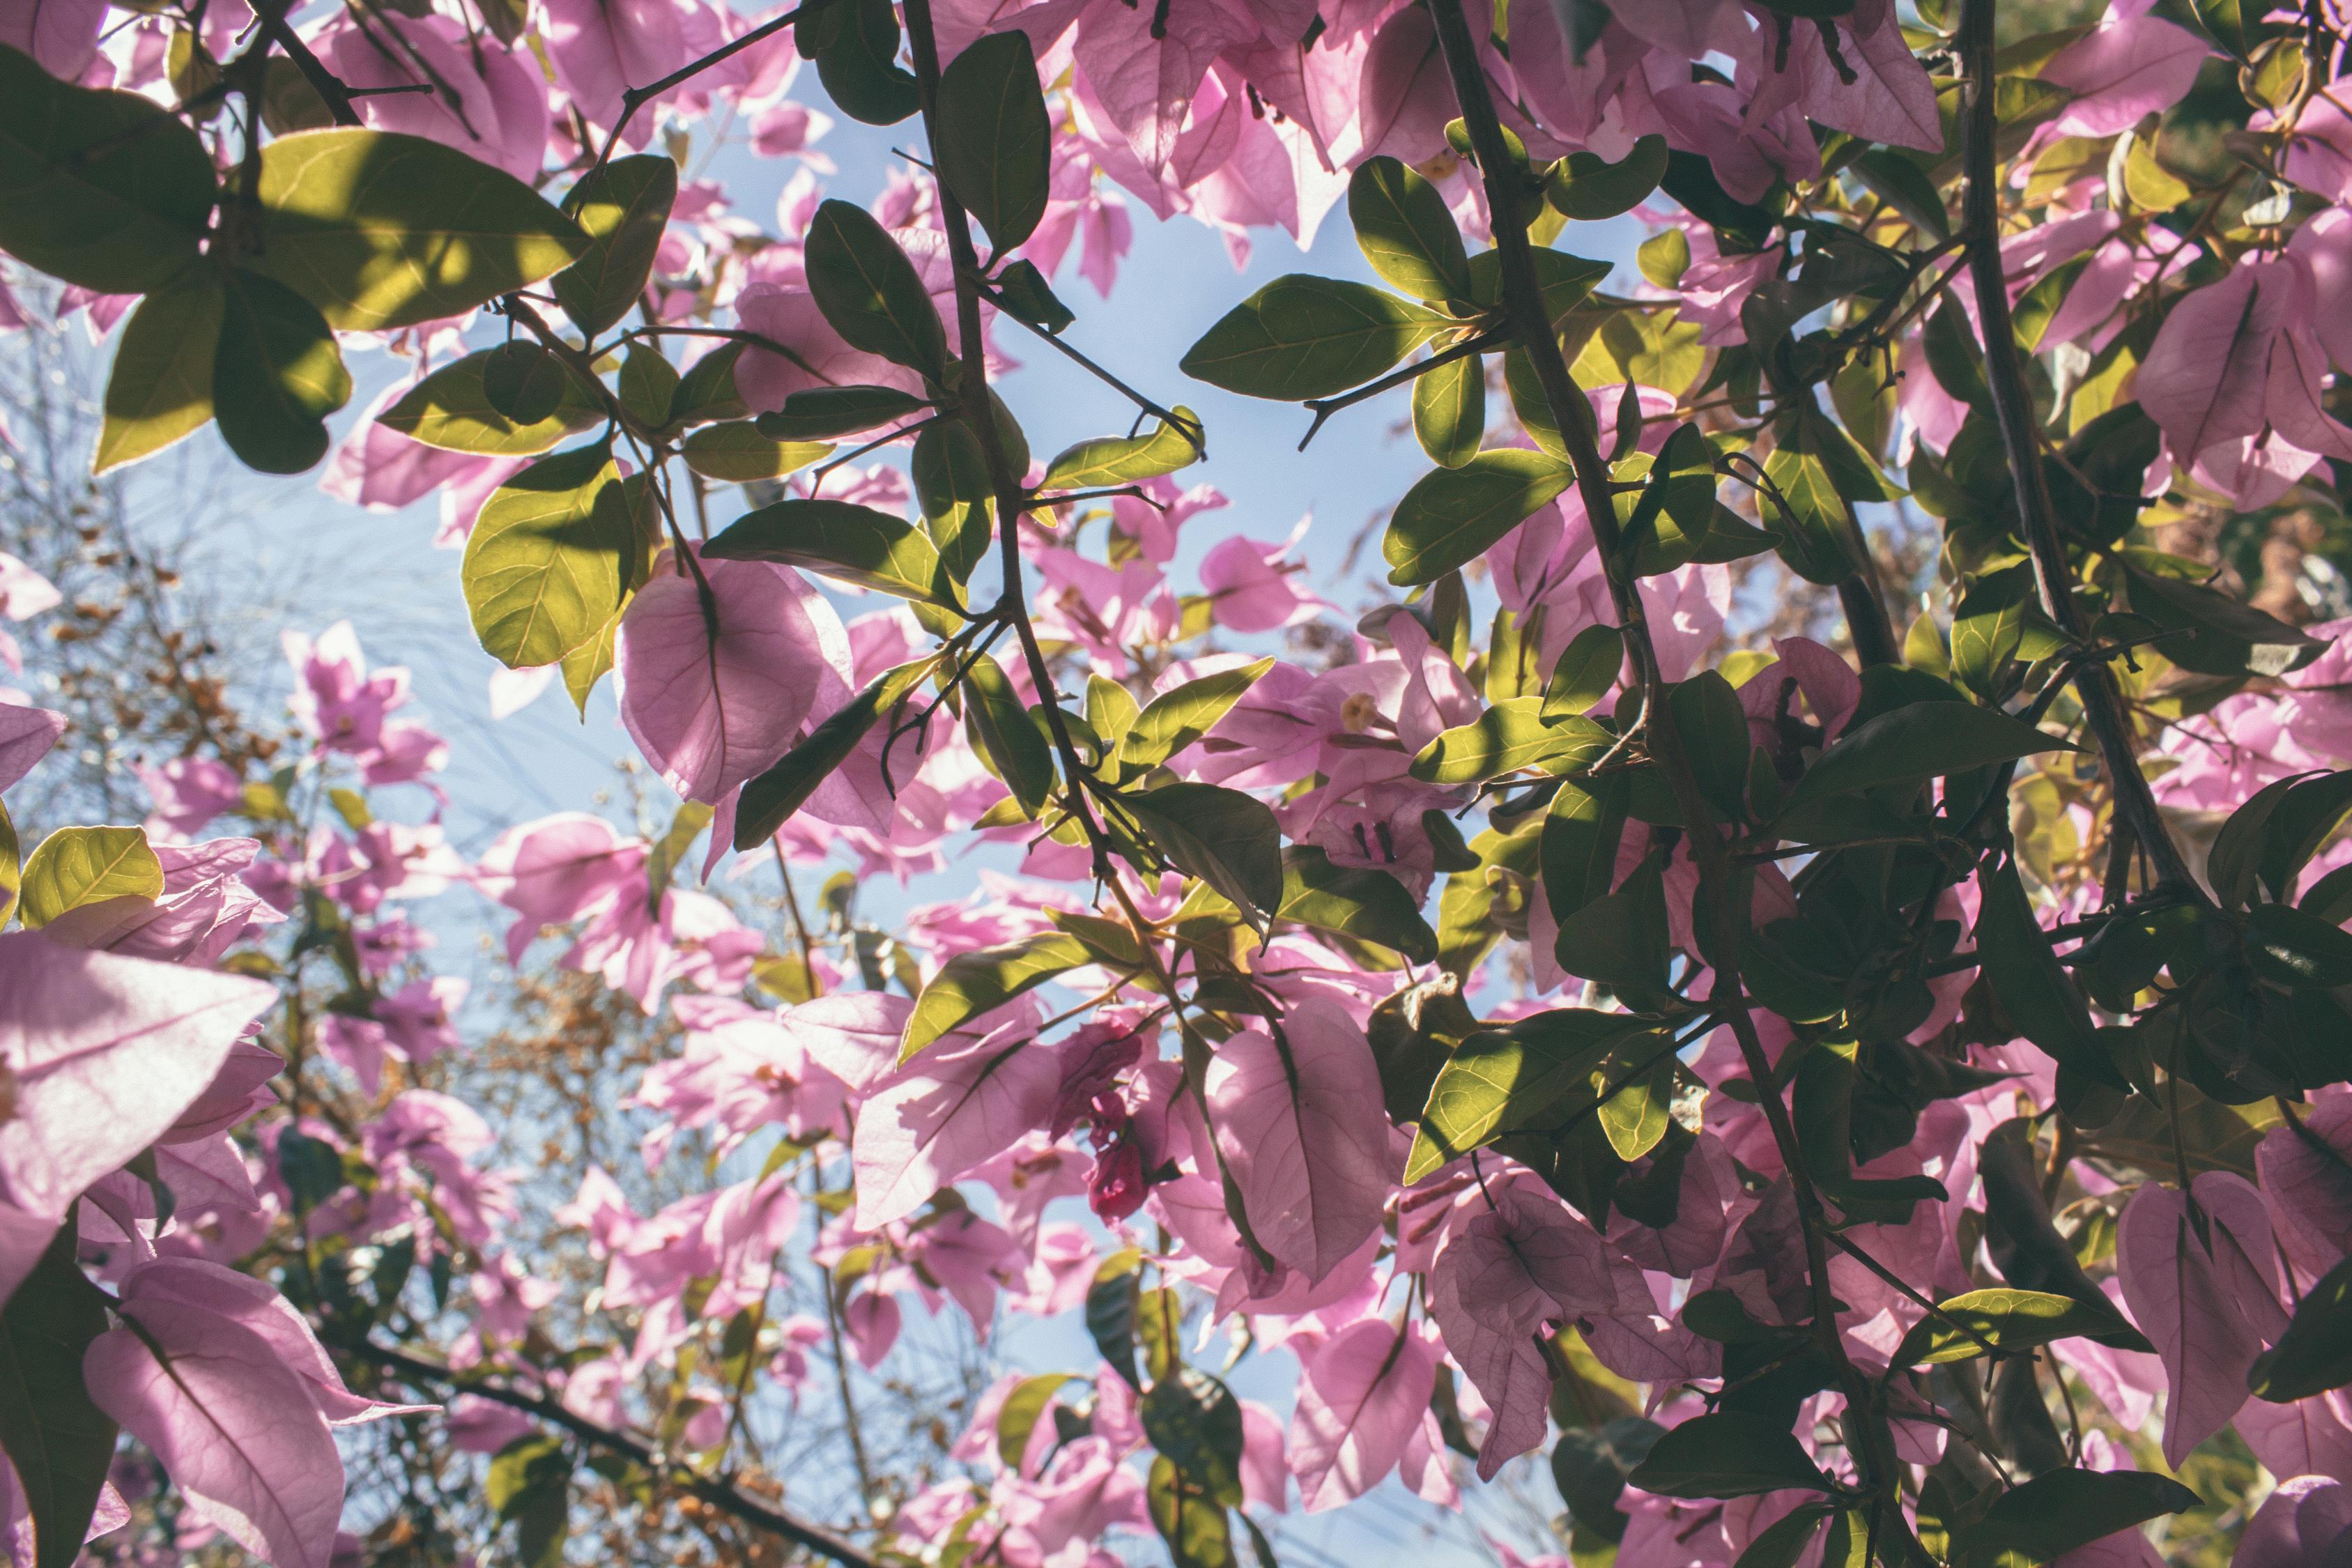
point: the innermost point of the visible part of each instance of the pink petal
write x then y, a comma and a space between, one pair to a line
1297, 1118
2178, 1297
967, 1098
1361, 1397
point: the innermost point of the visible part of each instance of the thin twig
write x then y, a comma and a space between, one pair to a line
721, 1495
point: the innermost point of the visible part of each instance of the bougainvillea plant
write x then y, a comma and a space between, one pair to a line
1873, 1096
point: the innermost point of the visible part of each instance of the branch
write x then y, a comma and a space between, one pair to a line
635, 98
324, 82
1573, 415
723, 1495
1184, 427
2004, 374
1324, 407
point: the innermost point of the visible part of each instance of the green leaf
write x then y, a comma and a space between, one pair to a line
531, 1485
2304, 821
1587, 188
646, 384
2039, 997
1726, 1454
1178, 718
11, 865
2295, 947
1302, 337
550, 558
1017, 1417
381, 230
1988, 624
1007, 739
2008, 1320
2054, 1514
523, 382
78, 866
1124, 460
1353, 900
869, 291
1919, 741
993, 146
276, 374
1196, 1527
985, 979
1404, 230
623, 208
1499, 1080
821, 413
2315, 1354
1634, 1119
1562, 281
1021, 290
686, 826
1665, 256
1780, 1543
451, 409
1225, 838
1582, 830
105, 190
58, 1441
1449, 411
1815, 535
706, 389
1194, 1419
1505, 738
1587, 672
769, 798
1620, 938
738, 453
1451, 516
2215, 634
858, 61
589, 663
160, 387
1112, 1302
852, 543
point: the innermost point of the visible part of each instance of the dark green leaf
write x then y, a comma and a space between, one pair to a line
2302, 822
1125, 459
2315, 1354
623, 208
1728, 1454
769, 799
852, 543
382, 230
1587, 188
1780, 1543
1590, 1466
1587, 672
2039, 997
858, 61
1196, 1527
1918, 741
2295, 947
59, 1442
2214, 634
1193, 1419
1112, 1302
1227, 839
105, 190
451, 409
531, 1485
1451, 516
2025, 1245
523, 383
1582, 833
1302, 337
1007, 737
2053, 1514
275, 376
1353, 900
869, 291
992, 145
821, 413
1620, 938
985, 979
1024, 292
1405, 231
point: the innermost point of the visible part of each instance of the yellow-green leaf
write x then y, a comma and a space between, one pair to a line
160, 387
78, 866
549, 558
